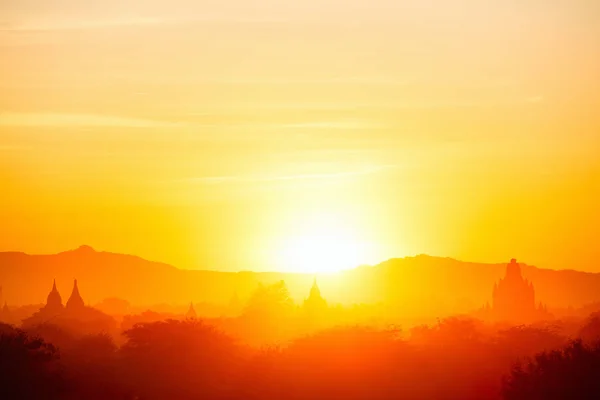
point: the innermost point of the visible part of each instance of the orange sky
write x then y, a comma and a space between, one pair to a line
205, 135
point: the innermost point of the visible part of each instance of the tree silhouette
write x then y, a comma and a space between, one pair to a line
28, 367
91, 365
340, 363
590, 332
180, 360
268, 315
569, 373
269, 302
520, 341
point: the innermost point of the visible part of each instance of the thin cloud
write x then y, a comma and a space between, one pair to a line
98, 120
330, 125
81, 24
78, 121
215, 180
286, 81
88, 24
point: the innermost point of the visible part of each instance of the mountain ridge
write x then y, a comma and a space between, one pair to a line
434, 283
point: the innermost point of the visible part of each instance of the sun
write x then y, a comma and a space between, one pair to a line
324, 244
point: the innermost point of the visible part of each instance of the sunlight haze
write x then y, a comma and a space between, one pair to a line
302, 136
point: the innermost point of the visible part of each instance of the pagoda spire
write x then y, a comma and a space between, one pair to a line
75, 301
315, 305
5, 315
54, 301
191, 313
314, 290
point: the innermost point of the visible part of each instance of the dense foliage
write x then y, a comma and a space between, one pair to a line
458, 358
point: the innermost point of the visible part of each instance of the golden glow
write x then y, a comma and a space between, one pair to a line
324, 244
449, 128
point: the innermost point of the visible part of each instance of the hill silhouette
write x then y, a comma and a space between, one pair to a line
423, 284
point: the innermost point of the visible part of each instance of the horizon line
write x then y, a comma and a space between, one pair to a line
94, 250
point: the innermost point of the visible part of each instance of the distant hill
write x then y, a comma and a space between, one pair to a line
28, 278
413, 284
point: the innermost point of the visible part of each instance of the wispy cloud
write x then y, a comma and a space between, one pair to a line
225, 179
78, 120
214, 121
330, 125
115, 22
52, 25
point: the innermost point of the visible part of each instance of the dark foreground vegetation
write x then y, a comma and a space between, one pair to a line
456, 359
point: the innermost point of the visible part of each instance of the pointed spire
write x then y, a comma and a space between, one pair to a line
5, 315
315, 301
75, 301
191, 313
54, 301
314, 290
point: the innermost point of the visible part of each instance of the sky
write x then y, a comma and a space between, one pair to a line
269, 135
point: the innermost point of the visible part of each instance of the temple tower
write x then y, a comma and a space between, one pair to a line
75, 302
315, 302
54, 301
191, 312
514, 296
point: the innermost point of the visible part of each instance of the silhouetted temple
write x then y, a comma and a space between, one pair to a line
75, 316
315, 302
514, 297
5, 309
53, 301
75, 302
5, 314
191, 313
